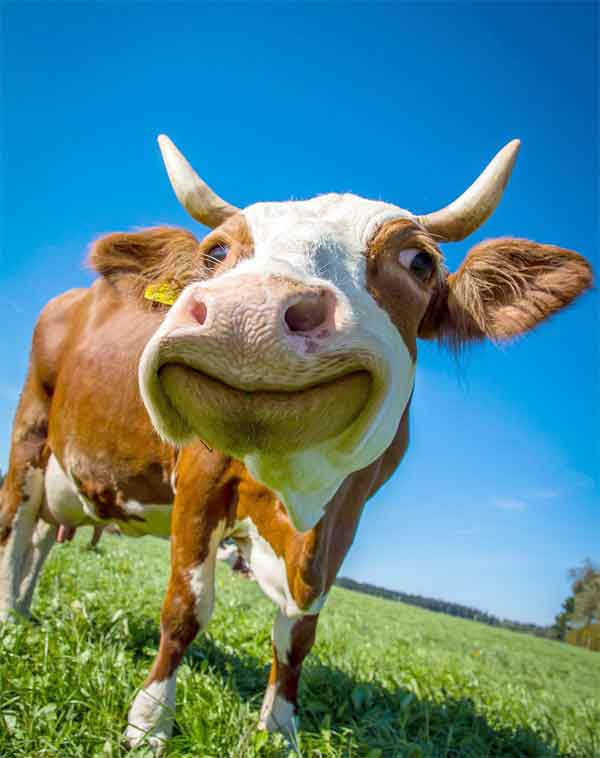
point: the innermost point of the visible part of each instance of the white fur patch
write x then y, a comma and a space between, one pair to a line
152, 714
282, 636
43, 538
325, 239
202, 579
270, 570
15, 556
64, 504
277, 714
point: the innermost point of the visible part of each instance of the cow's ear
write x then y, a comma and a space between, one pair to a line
142, 252
504, 288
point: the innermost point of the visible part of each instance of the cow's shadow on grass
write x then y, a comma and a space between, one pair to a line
379, 721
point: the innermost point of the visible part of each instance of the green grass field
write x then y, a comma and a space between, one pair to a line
384, 679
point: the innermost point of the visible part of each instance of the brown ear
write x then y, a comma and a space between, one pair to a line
139, 252
504, 288
132, 260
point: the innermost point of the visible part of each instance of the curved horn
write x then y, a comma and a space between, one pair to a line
468, 212
196, 197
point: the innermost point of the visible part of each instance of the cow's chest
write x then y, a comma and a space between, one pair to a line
68, 502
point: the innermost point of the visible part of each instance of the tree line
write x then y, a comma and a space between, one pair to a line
444, 606
577, 623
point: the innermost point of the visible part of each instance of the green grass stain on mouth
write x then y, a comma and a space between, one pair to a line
383, 680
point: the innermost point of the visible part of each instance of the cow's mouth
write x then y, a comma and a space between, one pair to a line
243, 422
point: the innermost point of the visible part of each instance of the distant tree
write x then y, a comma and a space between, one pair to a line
587, 602
562, 619
586, 591
581, 575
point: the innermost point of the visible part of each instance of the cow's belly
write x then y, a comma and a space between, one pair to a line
64, 504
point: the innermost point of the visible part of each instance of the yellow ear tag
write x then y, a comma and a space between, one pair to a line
164, 292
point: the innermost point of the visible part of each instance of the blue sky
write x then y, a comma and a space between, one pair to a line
499, 494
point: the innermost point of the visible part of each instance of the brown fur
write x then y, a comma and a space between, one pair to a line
504, 288
207, 495
133, 260
394, 288
93, 430
82, 388
234, 233
285, 677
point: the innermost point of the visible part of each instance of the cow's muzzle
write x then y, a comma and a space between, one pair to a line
263, 363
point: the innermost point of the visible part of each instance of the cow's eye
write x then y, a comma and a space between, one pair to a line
418, 262
217, 254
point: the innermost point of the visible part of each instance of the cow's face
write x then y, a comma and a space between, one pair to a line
298, 353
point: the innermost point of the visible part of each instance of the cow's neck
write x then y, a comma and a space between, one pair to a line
319, 552
307, 481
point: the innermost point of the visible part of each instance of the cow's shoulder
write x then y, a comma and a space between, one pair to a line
54, 328
59, 311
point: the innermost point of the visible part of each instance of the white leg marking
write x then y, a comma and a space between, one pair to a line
277, 713
201, 579
14, 558
282, 636
44, 538
152, 714
269, 569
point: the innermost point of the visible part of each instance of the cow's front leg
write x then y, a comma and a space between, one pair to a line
292, 640
44, 538
21, 496
24, 542
152, 713
186, 610
197, 527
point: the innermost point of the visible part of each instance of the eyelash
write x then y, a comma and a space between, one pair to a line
420, 263
217, 254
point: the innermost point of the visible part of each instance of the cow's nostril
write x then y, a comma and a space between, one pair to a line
307, 314
199, 312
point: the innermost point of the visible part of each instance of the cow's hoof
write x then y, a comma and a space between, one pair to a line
278, 715
156, 743
151, 716
15, 616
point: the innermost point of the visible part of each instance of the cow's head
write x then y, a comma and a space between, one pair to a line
297, 352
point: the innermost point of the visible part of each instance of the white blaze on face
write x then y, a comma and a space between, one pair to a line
325, 239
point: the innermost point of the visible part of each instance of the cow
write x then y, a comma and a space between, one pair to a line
230, 554
252, 386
